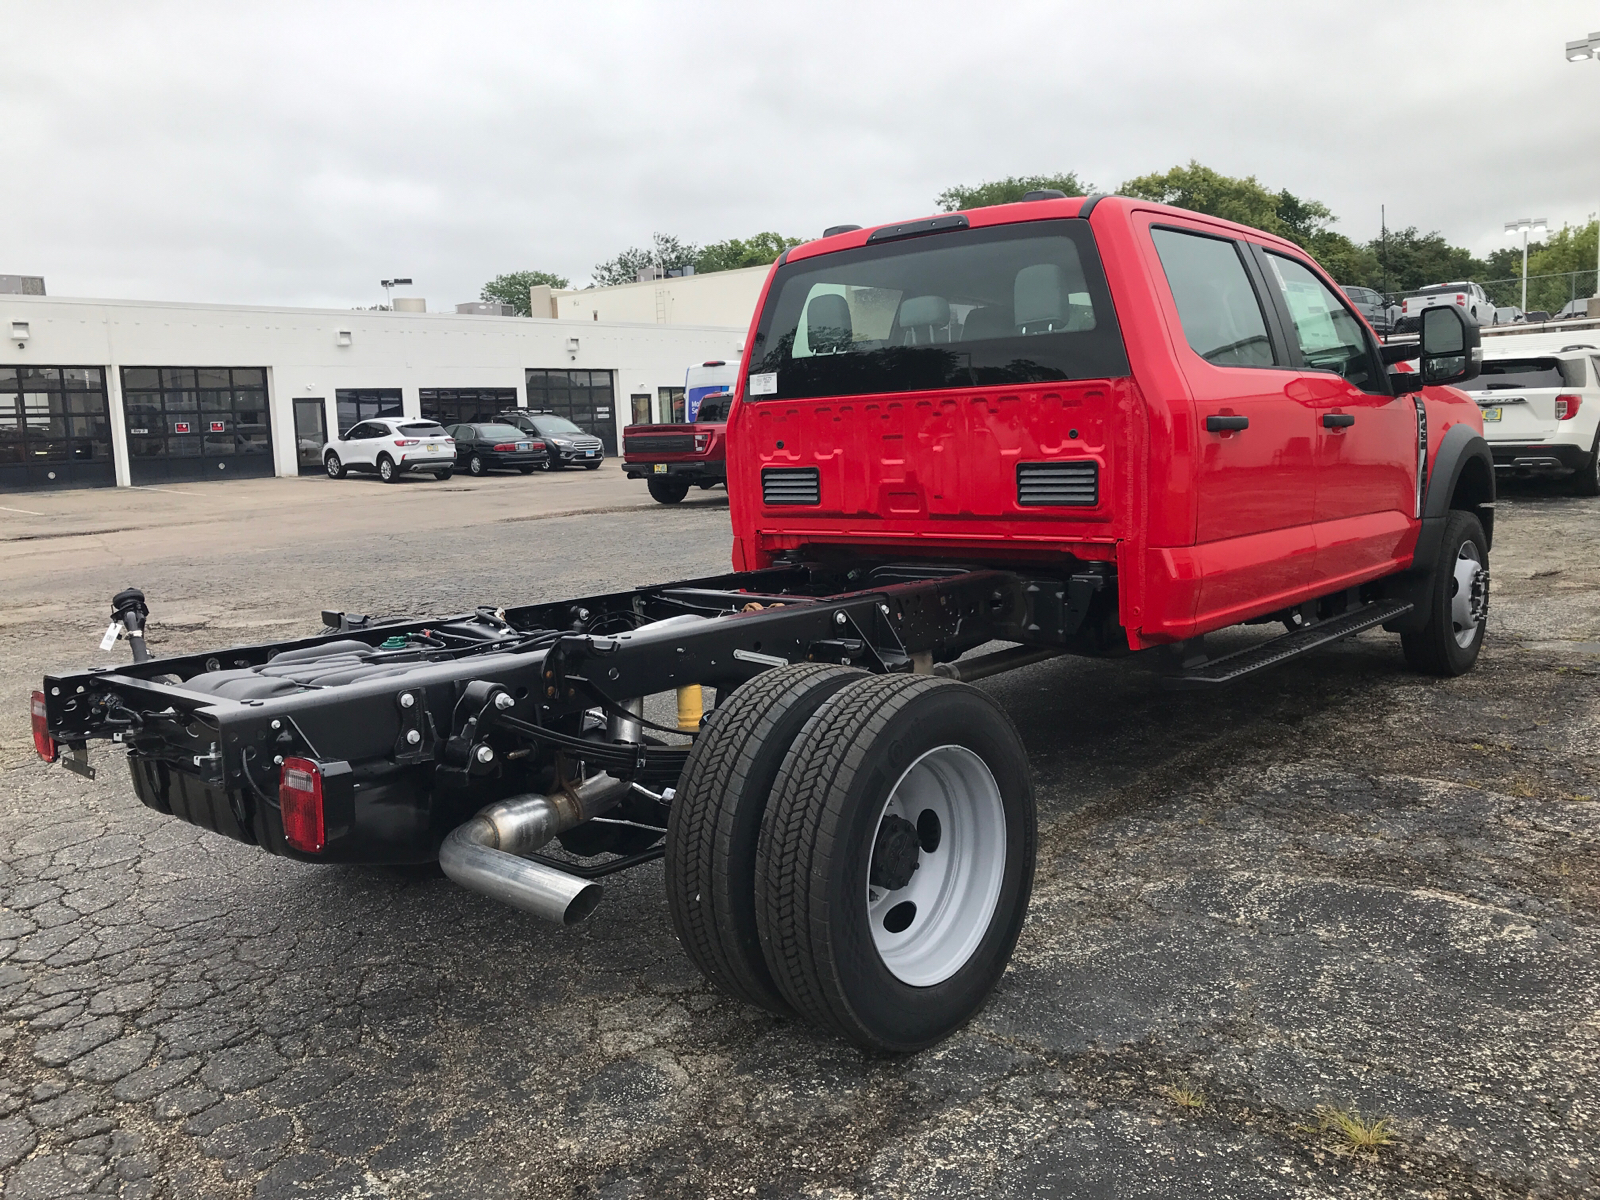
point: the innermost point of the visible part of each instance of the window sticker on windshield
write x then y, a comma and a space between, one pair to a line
764, 385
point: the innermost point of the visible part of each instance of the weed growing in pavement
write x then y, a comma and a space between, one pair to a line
1350, 1132
1184, 1097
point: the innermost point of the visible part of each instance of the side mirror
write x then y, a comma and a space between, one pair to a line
1451, 346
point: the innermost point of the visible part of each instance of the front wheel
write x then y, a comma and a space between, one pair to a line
475, 465
1458, 602
896, 860
335, 468
667, 491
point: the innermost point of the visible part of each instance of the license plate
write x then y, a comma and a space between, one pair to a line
524, 445
661, 468
592, 453
432, 449
1491, 414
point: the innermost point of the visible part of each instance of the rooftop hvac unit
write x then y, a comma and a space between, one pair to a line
22, 285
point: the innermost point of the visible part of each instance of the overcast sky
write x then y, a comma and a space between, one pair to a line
291, 153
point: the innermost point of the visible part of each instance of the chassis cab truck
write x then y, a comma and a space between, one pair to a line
959, 444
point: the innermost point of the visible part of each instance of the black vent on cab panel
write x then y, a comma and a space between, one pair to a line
1071, 482
791, 485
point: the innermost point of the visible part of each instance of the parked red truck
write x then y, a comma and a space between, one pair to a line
1090, 426
673, 458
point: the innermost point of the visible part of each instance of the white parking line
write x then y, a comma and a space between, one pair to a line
144, 487
29, 511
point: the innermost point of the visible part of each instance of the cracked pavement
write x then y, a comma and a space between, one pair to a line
1336, 884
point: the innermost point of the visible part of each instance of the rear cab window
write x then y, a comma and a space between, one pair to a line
1008, 304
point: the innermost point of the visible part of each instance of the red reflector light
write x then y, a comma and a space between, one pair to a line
42, 741
300, 800
1567, 406
406, 441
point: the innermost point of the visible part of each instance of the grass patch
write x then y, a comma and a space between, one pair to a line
1349, 1131
1185, 1097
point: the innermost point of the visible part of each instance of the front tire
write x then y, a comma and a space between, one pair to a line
1458, 602
591, 466
715, 823
335, 468
893, 779
667, 491
475, 466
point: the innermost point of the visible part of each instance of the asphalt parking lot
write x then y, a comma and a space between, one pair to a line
1337, 885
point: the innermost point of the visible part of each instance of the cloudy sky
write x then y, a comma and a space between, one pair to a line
291, 153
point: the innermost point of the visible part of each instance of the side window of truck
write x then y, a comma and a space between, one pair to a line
1217, 304
1330, 338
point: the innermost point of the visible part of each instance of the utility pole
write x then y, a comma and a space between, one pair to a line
388, 286
1525, 226
1579, 51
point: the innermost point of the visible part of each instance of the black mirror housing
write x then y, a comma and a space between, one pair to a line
1451, 349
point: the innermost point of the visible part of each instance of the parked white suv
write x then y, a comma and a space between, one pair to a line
391, 446
1467, 296
1541, 414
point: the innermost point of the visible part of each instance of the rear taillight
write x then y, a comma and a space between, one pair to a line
300, 800
1461, 300
406, 441
505, 446
701, 441
1567, 406
42, 741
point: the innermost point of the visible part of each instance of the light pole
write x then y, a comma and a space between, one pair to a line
1525, 226
1585, 48
388, 286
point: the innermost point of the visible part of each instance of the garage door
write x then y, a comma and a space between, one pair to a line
54, 428
585, 398
194, 423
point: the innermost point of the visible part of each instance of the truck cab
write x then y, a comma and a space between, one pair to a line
1188, 406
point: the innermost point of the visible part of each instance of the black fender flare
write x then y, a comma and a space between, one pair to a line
1460, 476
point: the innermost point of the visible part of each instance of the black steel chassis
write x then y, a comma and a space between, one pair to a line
408, 756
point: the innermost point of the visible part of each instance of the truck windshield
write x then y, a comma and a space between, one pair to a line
1024, 303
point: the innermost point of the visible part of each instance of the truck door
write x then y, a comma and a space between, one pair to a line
1366, 438
1254, 484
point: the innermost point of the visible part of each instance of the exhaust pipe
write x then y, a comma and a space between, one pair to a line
483, 854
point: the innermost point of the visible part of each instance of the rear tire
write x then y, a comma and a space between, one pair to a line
387, 471
441, 476
475, 466
667, 491
335, 468
716, 822
878, 922
528, 470
1458, 602
1585, 480
594, 466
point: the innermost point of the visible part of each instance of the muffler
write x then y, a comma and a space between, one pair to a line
483, 854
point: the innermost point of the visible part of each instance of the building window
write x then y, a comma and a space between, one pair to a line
461, 406
641, 408
586, 398
672, 408
55, 427
196, 422
362, 404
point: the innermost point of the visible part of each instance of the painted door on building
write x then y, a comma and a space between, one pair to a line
196, 423
586, 398
310, 433
55, 430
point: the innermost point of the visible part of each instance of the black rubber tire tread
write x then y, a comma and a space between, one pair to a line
799, 838
712, 828
667, 491
1585, 480
1433, 649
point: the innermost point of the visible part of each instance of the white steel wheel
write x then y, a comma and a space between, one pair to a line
938, 859
1469, 600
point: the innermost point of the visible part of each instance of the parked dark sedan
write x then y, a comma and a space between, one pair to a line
493, 446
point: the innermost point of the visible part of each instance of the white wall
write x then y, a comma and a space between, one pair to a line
719, 298
299, 348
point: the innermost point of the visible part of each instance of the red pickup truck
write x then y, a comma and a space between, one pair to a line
1091, 426
674, 458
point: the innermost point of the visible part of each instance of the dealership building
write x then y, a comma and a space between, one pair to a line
124, 392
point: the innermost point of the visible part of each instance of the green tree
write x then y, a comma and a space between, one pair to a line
1202, 190
1009, 190
1415, 260
755, 251
1570, 250
513, 288
665, 251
